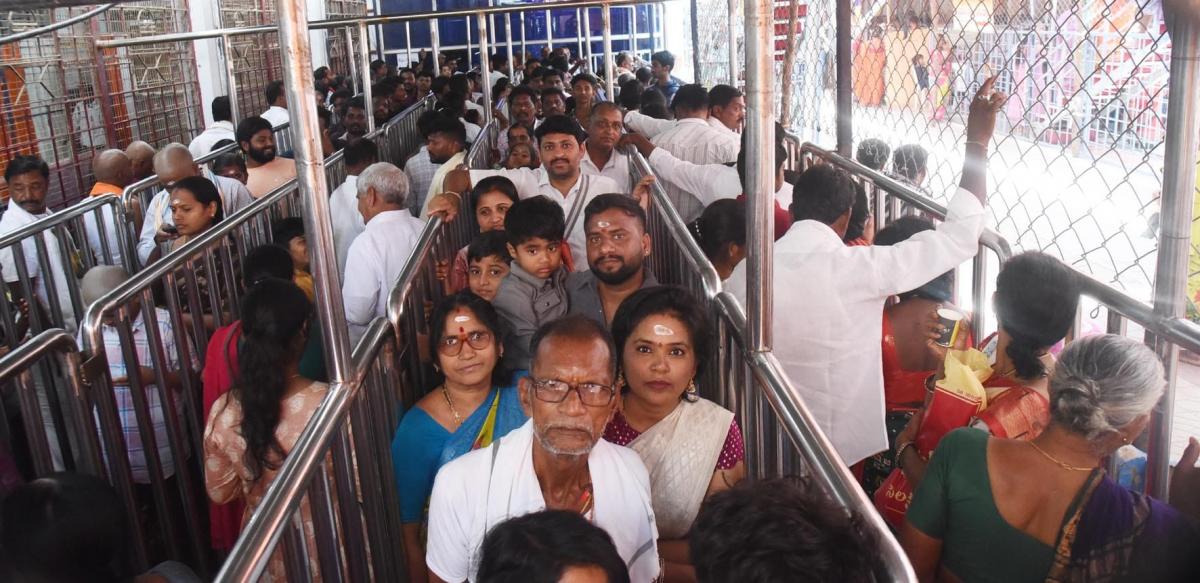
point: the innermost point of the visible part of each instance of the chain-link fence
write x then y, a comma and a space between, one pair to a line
1076, 169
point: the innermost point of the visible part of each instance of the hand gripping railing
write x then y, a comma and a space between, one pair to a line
1121, 308
50, 253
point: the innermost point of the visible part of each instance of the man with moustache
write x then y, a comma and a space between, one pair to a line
602, 157
266, 171
617, 248
560, 143
523, 107
557, 461
28, 179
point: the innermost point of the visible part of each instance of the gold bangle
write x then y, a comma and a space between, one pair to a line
900, 453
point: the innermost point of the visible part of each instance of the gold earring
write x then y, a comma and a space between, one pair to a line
692, 394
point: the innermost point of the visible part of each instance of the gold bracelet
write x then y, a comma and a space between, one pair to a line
900, 453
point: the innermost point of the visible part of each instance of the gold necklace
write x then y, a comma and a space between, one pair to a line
449, 403
1060, 464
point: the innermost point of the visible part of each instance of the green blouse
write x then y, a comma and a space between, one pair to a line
954, 503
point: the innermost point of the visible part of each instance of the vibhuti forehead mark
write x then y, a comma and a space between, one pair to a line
660, 330
462, 318
603, 224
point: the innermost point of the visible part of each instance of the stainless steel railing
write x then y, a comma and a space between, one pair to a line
891, 199
137, 196
388, 376
1121, 309
51, 253
781, 436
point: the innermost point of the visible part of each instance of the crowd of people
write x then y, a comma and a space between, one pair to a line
564, 435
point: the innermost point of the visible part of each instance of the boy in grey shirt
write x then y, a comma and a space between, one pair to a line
534, 292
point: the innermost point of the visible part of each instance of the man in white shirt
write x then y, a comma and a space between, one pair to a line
171, 164
499, 69
277, 112
557, 460
602, 157
461, 85
28, 179
559, 178
221, 129
690, 139
726, 109
708, 183
265, 170
343, 203
378, 255
829, 297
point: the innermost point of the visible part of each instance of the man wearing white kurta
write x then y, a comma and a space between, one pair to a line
560, 141
829, 297
379, 253
557, 460
344, 217
220, 129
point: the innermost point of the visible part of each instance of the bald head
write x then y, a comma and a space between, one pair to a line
174, 162
100, 280
140, 156
113, 167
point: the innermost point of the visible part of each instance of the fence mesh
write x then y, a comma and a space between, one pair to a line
55, 103
1076, 169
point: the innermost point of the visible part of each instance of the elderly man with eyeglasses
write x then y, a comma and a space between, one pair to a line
557, 460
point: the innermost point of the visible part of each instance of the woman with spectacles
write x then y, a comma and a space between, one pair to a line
474, 404
691, 446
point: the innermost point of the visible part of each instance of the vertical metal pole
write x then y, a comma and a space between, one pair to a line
733, 52
524, 48
470, 45
633, 14
578, 33
434, 39
1170, 280
586, 33
230, 78
508, 42
845, 134
364, 63
407, 45
610, 60
350, 54
695, 41
760, 170
549, 32
310, 177
484, 68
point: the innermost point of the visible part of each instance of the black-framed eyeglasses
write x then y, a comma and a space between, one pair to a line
556, 391
452, 345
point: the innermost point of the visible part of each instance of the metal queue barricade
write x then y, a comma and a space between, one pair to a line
52, 253
203, 277
200, 280
137, 196
1120, 309
890, 199
389, 375
782, 438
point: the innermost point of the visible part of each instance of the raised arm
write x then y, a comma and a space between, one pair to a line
981, 124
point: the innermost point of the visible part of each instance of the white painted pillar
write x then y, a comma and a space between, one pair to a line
210, 68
